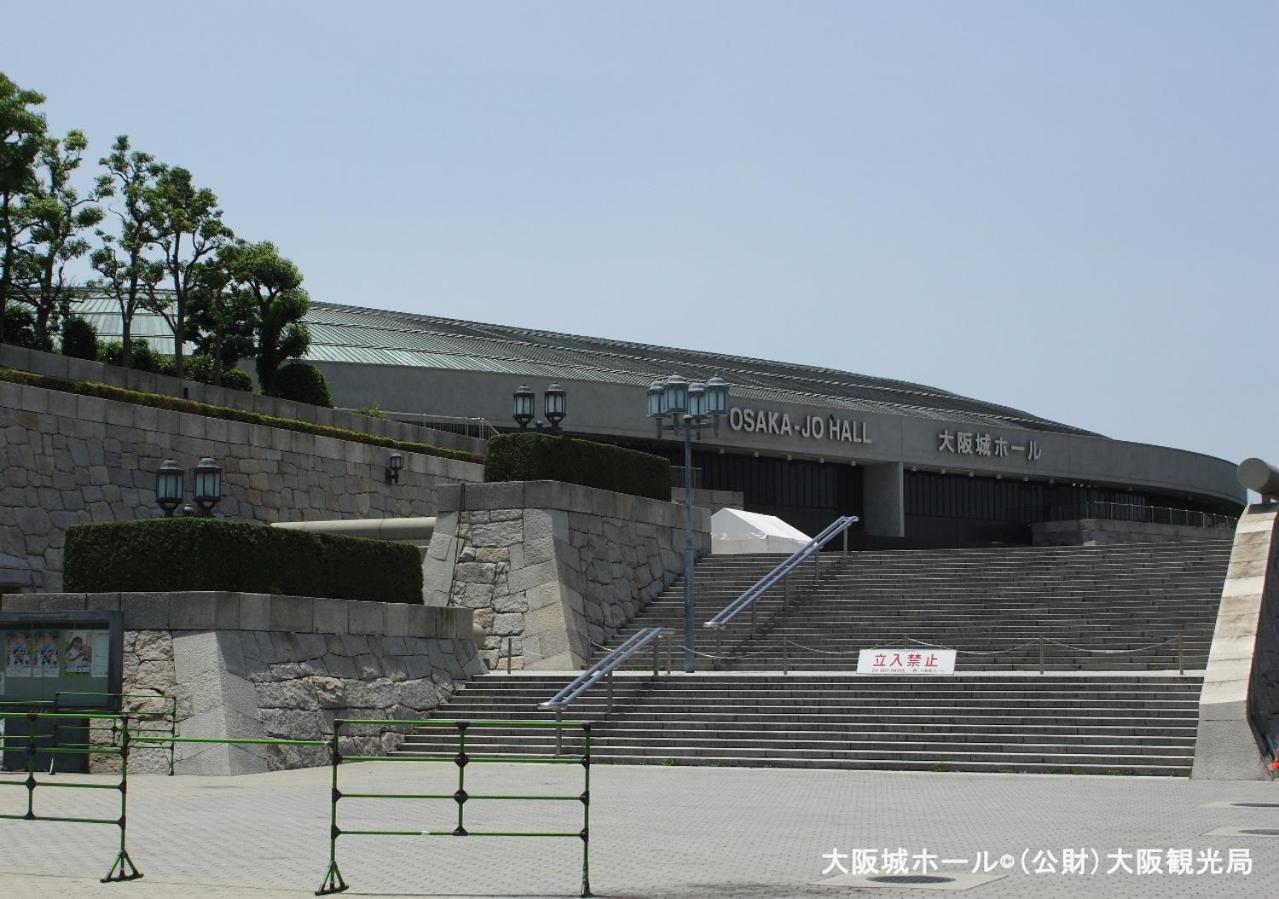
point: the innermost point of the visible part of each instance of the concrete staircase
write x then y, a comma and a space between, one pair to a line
1051, 724
1100, 602
1106, 712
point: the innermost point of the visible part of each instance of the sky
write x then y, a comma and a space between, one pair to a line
1070, 208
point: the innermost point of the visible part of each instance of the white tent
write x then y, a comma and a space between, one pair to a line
735, 531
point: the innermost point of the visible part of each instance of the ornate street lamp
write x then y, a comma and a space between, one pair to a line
554, 406
523, 410
553, 403
393, 466
206, 487
691, 407
169, 486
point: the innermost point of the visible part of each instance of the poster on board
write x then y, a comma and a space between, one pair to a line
47, 654
17, 654
78, 653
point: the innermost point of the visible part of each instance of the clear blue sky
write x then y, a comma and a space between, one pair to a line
1068, 207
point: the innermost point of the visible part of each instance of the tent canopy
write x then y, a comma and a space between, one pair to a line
735, 531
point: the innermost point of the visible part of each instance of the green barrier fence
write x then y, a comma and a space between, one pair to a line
333, 881
122, 868
161, 720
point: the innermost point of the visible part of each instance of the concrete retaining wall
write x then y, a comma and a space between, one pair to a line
67, 459
550, 567
1239, 705
247, 665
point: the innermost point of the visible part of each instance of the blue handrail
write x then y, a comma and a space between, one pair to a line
760, 587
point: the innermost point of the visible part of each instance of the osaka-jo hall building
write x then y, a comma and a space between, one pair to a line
919, 466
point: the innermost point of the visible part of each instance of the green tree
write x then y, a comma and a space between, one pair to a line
21, 133
55, 215
188, 231
129, 276
222, 315
275, 284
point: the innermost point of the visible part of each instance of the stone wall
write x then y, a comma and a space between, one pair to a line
244, 665
1103, 532
1239, 705
67, 459
57, 366
550, 567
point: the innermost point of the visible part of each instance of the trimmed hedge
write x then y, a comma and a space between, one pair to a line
527, 456
176, 404
302, 383
174, 554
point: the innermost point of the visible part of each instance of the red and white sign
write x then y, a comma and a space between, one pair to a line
906, 661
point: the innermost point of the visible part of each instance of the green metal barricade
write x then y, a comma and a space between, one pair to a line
333, 881
122, 868
162, 720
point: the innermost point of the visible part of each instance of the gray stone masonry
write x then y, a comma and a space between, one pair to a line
68, 459
57, 366
1239, 705
247, 665
551, 567
1104, 532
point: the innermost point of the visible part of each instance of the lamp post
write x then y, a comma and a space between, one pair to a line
691, 407
169, 486
554, 406
206, 485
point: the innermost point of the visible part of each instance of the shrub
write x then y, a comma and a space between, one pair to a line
199, 367
302, 383
79, 339
141, 356
533, 457
164, 555
20, 327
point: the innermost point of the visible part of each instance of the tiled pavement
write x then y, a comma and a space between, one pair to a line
657, 832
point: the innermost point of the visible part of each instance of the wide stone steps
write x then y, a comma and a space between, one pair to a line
1050, 723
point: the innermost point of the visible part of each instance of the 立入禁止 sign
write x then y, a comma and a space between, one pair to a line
906, 661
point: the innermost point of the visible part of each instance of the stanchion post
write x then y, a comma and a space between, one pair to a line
123, 868
1041, 655
1181, 654
333, 882
610, 692
586, 809
785, 656
460, 796
173, 729
510, 646
559, 731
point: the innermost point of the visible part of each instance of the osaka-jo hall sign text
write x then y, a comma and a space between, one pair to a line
809, 427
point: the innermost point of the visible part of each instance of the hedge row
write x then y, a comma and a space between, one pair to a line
175, 554
176, 404
528, 456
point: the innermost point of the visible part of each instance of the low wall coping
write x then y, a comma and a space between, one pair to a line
561, 496
201, 610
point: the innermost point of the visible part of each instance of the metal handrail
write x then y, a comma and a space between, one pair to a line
605, 666
793, 561
466, 425
1140, 513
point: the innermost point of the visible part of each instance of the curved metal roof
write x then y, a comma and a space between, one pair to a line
378, 337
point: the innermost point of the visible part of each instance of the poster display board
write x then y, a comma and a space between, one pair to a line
71, 658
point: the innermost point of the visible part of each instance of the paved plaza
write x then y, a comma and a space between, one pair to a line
656, 832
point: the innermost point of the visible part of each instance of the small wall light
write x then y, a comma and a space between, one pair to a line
393, 466
207, 485
169, 486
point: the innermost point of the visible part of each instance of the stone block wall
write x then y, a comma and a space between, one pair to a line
244, 665
67, 459
550, 568
55, 365
1239, 705
1104, 532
